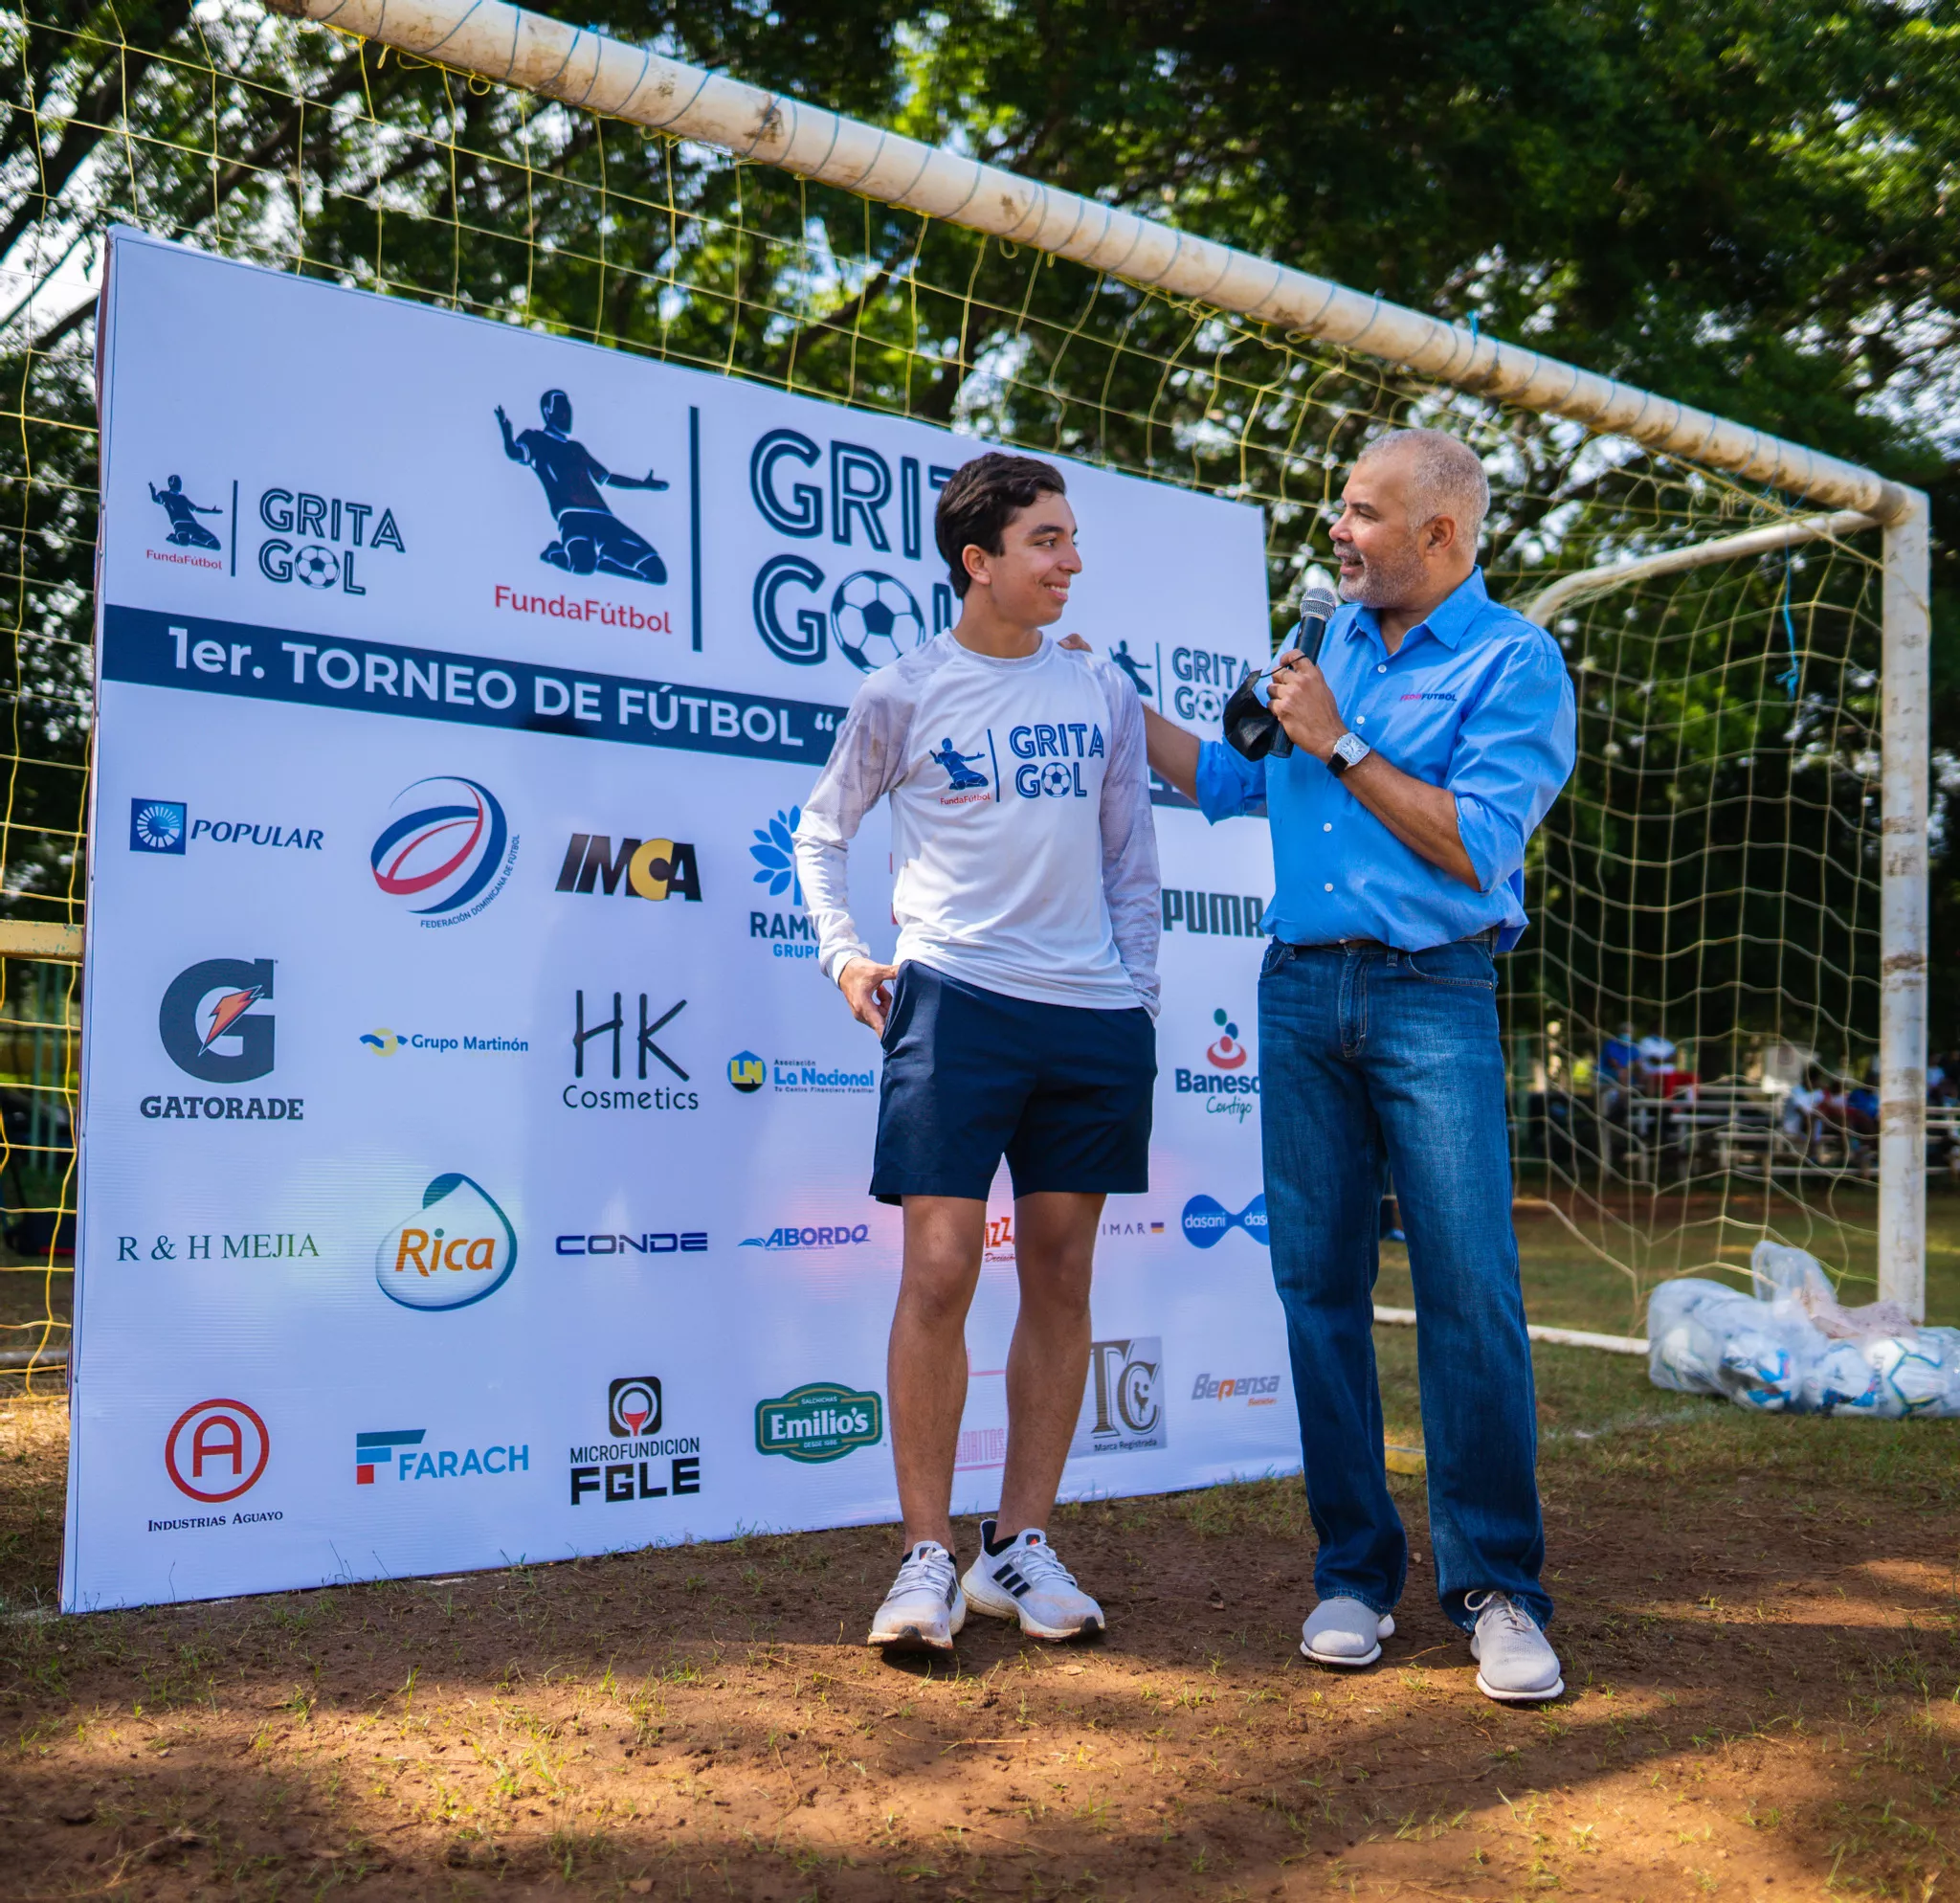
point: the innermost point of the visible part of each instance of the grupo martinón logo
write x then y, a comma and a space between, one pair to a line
636, 868
217, 1450
456, 1249
215, 1024
637, 1463
1122, 1407
446, 851
820, 1421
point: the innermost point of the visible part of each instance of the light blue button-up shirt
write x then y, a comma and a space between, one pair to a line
1477, 699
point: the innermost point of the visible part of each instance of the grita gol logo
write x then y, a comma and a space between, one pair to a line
446, 851
456, 1249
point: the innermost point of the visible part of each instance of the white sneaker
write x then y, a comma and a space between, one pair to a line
1342, 1631
926, 1608
1516, 1664
1026, 1581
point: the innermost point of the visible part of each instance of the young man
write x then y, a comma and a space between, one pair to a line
1018, 1018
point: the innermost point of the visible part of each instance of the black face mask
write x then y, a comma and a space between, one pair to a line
1250, 727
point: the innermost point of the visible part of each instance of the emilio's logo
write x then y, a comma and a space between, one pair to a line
640, 869
820, 1421
210, 1024
446, 851
456, 1249
1207, 1221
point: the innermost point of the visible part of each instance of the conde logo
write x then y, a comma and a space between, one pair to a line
447, 849
458, 1248
1207, 1221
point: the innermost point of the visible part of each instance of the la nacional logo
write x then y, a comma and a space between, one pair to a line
446, 851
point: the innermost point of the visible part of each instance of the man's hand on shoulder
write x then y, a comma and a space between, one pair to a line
866, 986
1074, 644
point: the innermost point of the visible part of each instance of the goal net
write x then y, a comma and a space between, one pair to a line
1693, 1015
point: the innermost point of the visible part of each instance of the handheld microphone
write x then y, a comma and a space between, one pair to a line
1317, 608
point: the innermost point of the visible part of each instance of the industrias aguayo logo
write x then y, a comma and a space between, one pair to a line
456, 1249
214, 1451
446, 851
821, 1421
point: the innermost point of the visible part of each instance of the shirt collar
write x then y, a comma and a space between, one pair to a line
1449, 620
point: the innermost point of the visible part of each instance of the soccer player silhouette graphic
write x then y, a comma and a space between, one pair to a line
186, 530
1121, 655
591, 538
958, 766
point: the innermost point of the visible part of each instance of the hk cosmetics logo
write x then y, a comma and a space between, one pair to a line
215, 1451
458, 1248
1207, 1222
818, 1422
213, 1026
789, 934
1122, 1407
1228, 1083
639, 869
585, 1030
797, 1077
446, 851
821, 1235
628, 1467
399, 1452
165, 826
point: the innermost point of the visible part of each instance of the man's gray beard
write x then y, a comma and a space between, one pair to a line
1381, 586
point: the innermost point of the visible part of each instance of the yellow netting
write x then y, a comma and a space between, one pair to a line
1710, 877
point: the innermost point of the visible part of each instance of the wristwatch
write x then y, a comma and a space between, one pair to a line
1349, 751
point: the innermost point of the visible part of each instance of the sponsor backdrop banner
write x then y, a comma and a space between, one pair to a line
475, 1158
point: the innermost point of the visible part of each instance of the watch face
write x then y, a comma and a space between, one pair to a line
1350, 747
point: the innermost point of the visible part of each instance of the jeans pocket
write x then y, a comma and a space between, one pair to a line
1275, 956
1464, 966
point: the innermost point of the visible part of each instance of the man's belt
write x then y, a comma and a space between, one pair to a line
1488, 938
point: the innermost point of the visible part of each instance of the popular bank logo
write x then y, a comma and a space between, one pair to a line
456, 1249
639, 869
1207, 1222
217, 1450
1123, 1406
446, 851
210, 1024
817, 1423
165, 826
774, 852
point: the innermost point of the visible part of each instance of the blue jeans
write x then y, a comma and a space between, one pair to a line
1373, 1060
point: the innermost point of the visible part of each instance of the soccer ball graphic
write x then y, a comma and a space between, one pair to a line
317, 567
875, 620
1056, 781
1211, 706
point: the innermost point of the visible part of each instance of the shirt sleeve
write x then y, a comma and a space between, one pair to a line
1514, 751
866, 760
1228, 784
1131, 884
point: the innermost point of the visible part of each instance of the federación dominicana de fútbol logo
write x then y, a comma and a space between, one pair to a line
456, 1249
446, 851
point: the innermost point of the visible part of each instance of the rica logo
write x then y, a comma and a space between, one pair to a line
207, 1024
217, 1450
447, 849
1207, 1220
820, 1421
456, 1249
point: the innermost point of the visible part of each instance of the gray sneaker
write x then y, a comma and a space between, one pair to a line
1344, 1632
1515, 1663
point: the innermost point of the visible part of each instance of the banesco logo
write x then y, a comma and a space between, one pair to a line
1207, 1222
401, 1450
843, 1235
624, 1468
165, 826
640, 869
458, 1248
217, 1450
817, 1423
1123, 1406
446, 850
1229, 1085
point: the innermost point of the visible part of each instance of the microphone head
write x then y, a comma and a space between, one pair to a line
1318, 604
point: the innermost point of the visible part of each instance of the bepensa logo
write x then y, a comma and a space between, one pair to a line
215, 1027
321, 541
458, 1248
640, 869
446, 851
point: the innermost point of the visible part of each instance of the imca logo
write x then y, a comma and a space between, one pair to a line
820, 1421
1122, 1407
446, 851
640, 869
456, 1249
217, 1450
1207, 1221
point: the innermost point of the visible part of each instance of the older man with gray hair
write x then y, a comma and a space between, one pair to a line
1428, 742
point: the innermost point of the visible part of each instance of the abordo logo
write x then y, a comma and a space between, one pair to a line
217, 1450
209, 1026
447, 849
456, 1249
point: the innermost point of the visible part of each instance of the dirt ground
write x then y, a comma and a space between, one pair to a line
1758, 1618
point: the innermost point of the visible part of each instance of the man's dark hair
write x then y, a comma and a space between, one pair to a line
980, 501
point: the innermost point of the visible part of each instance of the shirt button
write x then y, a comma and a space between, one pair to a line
1326, 888
1359, 720
1381, 667
1326, 825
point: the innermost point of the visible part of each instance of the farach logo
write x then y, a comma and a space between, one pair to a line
659, 1098
1207, 1221
817, 1423
213, 1027
640, 869
165, 826
458, 1248
217, 1450
447, 849
401, 1450
628, 1467
1122, 1407
317, 541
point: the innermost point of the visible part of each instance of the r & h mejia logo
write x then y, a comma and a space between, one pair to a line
818, 1422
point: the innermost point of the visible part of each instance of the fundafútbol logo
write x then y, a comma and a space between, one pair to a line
1123, 1406
456, 1249
821, 1421
446, 851
215, 1024
628, 1467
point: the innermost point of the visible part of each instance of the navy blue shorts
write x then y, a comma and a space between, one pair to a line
970, 1076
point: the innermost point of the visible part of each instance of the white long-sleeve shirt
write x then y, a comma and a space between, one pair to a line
1021, 827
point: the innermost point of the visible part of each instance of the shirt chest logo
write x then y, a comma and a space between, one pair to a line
1051, 756
966, 784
